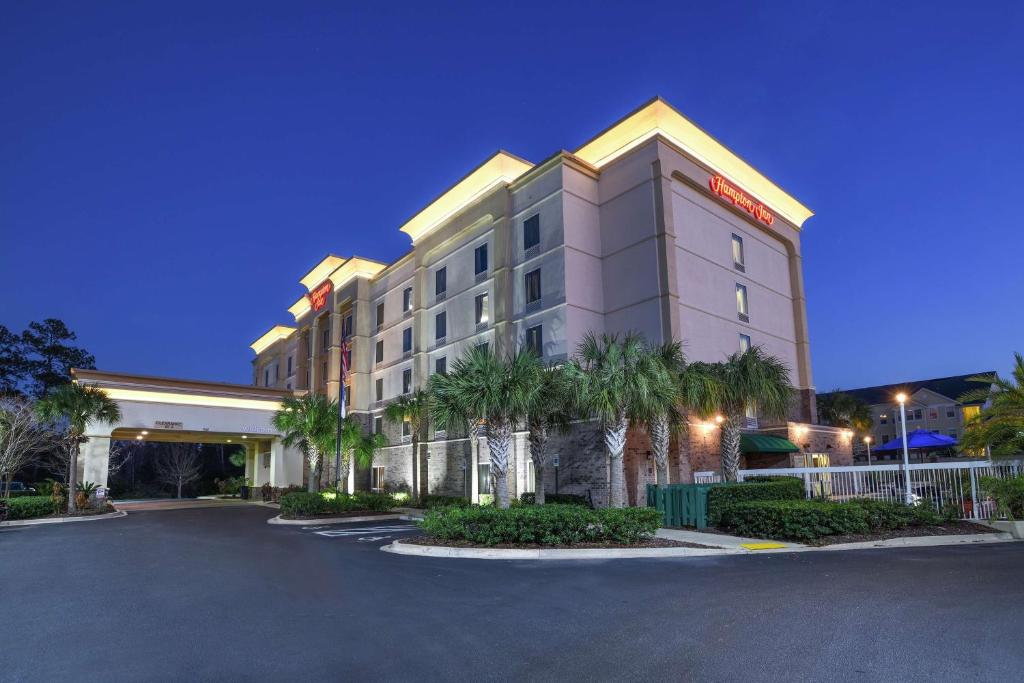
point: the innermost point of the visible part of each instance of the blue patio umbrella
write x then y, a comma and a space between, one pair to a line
919, 439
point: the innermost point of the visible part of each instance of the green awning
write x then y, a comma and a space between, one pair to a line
765, 443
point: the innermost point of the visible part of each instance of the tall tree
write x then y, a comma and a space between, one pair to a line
309, 422
840, 409
78, 405
500, 390
24, 437
413, 408
13, 364
549, 411
178, 465
693, 390
1000, 424
753, 379
49, 356
618, 380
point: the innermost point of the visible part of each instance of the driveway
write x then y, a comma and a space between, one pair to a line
217, 594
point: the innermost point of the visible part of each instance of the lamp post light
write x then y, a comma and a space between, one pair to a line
867, 442
902, 398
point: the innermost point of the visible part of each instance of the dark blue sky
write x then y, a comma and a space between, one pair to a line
169, 170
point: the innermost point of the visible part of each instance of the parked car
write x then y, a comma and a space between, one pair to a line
18, 488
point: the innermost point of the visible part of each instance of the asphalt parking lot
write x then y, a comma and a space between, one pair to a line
217, 594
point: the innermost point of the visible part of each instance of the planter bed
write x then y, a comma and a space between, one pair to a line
648, 543
338, 515
954, 528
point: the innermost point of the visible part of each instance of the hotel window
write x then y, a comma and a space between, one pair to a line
440, 326
379, 352
407, 340
883, 419
484, 478
379, 389
917, 414
744, 343
970, 412
407, 381
480, 304
950, 411
378, 425
377, 479
380, 316
266, 377
741, 303
535, 340
406, 428
440, 282
348, 395
275, 375
325, 339
346, 326
737, 253
323, 377
531, 232
933, 414
289, 366
441, 366
532, 286
480, 260
407, 300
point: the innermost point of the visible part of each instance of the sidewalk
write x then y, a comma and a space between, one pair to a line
724, 541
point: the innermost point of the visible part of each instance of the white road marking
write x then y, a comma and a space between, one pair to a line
333, 533
371, 539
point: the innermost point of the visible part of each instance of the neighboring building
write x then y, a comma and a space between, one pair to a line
652, 226
933, 404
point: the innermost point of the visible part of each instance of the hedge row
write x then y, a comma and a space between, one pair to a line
810, 520
437, 501
304, 504
720, 496
553, 525
28, 507
555, 499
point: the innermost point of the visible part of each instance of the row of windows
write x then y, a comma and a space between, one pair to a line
915, 414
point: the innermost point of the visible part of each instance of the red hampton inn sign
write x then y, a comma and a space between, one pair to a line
722, 188
318, 295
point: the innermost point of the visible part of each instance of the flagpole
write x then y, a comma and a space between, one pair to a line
341, 416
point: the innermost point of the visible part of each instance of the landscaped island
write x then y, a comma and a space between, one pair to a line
330, 504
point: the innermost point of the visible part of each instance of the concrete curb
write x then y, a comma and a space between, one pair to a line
333, 520
399, 548
63, 520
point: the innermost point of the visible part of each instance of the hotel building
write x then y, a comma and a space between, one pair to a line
651, 226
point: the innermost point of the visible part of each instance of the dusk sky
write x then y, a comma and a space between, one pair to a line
168, 171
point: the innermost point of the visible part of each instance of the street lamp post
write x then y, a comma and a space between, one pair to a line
902, 398
867, 442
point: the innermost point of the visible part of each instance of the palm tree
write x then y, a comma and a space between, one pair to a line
840, 409
694, 390
309, 422
500, 390
413, 408
617, 381
753, 379
1000, 426
357, 449
366, 450
79, 404
550, 410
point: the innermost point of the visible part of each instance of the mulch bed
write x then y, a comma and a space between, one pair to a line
350, 513
649, 543
955, 528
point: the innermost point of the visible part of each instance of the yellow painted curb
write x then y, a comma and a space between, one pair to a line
762, 546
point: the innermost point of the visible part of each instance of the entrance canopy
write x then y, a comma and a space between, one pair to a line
191, 411
766, 443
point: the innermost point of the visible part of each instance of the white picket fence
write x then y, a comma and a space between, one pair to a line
944, 485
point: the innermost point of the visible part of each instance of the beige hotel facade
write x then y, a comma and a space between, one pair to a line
651, 226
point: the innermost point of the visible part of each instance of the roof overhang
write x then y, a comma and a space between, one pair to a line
150, 389
274, 334
321, 271
500, 169
657, 117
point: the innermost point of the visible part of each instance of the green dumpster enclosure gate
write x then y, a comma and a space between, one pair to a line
681, 504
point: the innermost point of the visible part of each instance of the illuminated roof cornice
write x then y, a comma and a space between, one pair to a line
275, 334
357, 266
500, 169
321, 271
657, 117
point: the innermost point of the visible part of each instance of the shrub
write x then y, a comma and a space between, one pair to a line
28, 507
435, 501
797, 520
555, 499
1008, 494
542, 525
721, 496
304, 504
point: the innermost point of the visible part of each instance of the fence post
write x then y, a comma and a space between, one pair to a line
974, 494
